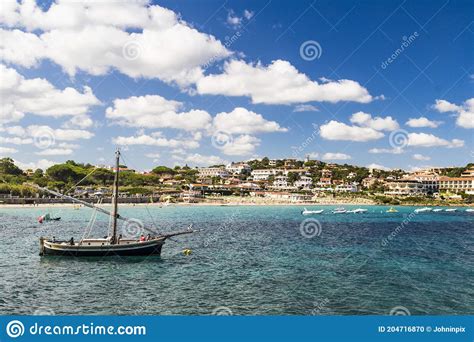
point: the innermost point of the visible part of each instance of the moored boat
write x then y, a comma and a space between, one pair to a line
113, 245
392, 210
423, 210
357, 211
451, 210
437, 210
339, 211
310, 212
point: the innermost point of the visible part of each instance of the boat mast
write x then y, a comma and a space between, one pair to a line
115, 198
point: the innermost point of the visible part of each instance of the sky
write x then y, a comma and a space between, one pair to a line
385, 84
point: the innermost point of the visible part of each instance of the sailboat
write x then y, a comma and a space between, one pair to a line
112, 245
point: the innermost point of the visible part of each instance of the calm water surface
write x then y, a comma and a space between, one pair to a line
251, 260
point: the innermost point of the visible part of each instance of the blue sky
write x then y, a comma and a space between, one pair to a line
155, 68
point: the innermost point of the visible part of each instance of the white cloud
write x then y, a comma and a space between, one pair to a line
39, 164
154, 111
336, 156
248, 14
378, 167
278, 83
241, 120
7, 150
417, 156
50, 133
55, 152
202, 160
305, 108
430, 140
395, 150
233, 20
422, 122
377, 123
16, 140
150, 140
38, 96
241, 146
153, 155
464, 113
335, 130
79, 121
138, 39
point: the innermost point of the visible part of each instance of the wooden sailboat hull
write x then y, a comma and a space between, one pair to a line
98, 248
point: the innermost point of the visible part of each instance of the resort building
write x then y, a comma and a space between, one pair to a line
290, 162
297, 171
405, 187
281, 183
325, 173
469, 172
324, 182
213, 172
347, 188
457, 184
237, 168
263, 174
272, 162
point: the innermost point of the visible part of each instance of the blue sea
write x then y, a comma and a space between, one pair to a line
246, 260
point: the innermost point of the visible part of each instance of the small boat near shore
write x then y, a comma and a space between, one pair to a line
47, 218
112, 245
423, 210
436, 210
357, 211
450, 210
339, 211
391, 210
311, 212
469, 210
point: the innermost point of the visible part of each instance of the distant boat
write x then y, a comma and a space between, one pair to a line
450, 210
357, 211
392, 210
470, 210
423, 210
112, 245
437, 210
339, 211
310, 212
47, 218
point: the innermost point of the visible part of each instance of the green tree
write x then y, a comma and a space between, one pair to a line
7, 166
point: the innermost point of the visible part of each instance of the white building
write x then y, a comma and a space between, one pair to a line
347, 188
405, 187
213, 172
281, 183
263, 174
305, 183
237, 168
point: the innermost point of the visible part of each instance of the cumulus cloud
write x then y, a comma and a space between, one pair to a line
197, 159
378, 167
430, 140
39, 164
464, 113
335, 130
278, 83
305, 108
55, 152
241, 120
395, 150
242, 145
7, 150
422, 122
51, 133
336, 156
155, 140
154, 111
377, 123
37, 96
418, 156
129, 37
